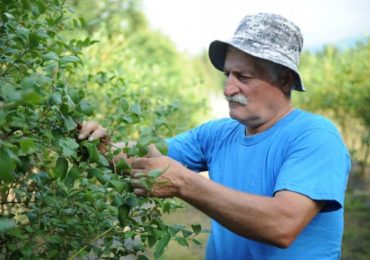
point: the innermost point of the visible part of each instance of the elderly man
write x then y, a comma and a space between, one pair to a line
277, 174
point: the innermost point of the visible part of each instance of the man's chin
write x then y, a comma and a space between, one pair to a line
236, 109
235, 115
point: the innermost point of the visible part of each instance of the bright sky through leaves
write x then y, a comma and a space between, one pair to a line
193, 24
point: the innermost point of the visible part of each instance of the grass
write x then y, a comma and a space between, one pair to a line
356, 238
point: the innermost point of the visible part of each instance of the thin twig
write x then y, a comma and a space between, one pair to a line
92, 240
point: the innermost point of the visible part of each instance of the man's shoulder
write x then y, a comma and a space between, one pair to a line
307, 124
308, 121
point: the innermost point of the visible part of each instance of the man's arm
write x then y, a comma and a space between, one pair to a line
275, 220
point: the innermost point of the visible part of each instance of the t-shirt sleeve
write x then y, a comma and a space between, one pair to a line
192, 147
317, 165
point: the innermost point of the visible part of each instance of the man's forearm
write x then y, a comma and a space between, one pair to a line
267, 219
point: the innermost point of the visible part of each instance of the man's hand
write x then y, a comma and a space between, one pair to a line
91, 130
168, 184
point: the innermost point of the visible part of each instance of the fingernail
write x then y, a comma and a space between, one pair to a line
80, 136
91, 138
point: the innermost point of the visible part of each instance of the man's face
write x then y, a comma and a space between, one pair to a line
246, 78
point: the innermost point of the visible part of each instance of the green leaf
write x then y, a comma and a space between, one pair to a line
50, 56
123, 212
102, 161
27, 146
197, 242
151, 241
68, 123
182, 241
3, 115
131, 119
68, 59
73, 174
7, 166
143, 182
68, 146
75, 244
196, 228
76, 95
31, 97
9, 93
61, 168
124, 105
24, 164
142, 150
174, 229
117, 201
136, 109
30, 82
34, 39
6, 224
35, 11
119, 186
161, 146
56, 98
9, 16
52, 68
92, 150
145, 140
161, 245
99, 175
186, 233
56, 239
26, 251
67, 100
122, 166
85, 108
23, 33
155, 173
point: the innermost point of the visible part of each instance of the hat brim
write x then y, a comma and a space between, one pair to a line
217, 54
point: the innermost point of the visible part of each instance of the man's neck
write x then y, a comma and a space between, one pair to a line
261, 128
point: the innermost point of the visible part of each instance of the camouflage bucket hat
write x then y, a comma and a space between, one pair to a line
266, 36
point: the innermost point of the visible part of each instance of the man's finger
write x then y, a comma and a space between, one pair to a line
137, 173
98, 133
139, 163
141, 192
86, 129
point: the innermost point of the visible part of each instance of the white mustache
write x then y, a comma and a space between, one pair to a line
237, 98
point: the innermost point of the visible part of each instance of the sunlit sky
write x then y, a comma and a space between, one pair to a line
193, 24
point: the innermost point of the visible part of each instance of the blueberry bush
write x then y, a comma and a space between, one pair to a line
60, 197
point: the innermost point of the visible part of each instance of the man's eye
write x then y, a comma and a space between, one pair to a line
243, 77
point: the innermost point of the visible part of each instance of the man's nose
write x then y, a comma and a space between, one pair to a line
231, 88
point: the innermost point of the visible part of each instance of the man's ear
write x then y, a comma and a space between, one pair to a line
287, 82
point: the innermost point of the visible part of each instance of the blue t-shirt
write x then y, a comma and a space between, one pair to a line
302, 152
